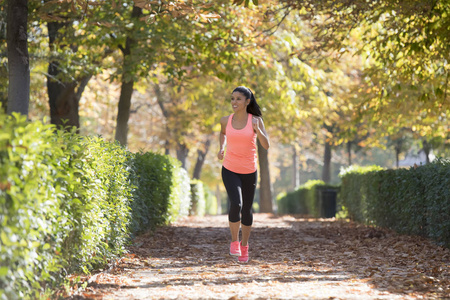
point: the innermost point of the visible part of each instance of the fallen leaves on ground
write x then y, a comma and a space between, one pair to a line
289, 258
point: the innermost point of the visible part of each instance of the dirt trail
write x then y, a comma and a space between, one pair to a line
290, 258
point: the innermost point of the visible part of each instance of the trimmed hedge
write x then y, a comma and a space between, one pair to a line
40, 204
305, 200
411, 201
354, 192
161, 192
211, 201
198, 203
70, 203
203, 200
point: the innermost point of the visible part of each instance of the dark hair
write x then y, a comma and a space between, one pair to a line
253, 107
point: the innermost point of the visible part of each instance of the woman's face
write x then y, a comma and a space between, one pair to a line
239, 101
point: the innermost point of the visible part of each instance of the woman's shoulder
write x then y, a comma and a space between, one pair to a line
224, 119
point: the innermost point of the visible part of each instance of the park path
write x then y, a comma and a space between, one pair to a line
291, 258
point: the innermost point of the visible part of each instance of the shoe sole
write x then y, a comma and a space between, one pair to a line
242, 261
235, 254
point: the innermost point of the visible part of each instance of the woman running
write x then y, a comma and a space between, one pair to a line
239, 132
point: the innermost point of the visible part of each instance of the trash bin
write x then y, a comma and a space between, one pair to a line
328, 197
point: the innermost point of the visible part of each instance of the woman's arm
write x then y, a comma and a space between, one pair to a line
222, 137
258, 127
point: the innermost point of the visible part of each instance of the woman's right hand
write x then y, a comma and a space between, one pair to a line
220, 155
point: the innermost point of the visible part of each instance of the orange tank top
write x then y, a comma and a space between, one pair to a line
240, 156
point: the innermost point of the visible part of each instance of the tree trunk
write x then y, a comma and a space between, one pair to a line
349, 153
167, 147
398, 149
123, 113
64, 97
426, 147
64, 100
160, 100
126, 92
3, 70
18, 59
397, 157
326, 171
265, 187
295, 170
201, 159
182, 153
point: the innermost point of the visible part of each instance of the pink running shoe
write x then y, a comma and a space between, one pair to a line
244, 254
235, 248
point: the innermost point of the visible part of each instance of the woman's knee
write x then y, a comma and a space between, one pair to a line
234, 213
247, 219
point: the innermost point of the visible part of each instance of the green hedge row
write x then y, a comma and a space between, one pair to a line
70, 203
305, 200
203, 200
412, 201
160, 190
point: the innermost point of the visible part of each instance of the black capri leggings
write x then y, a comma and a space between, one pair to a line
241, 191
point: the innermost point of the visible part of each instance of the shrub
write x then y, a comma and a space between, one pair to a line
180, 196
352, 194
211, 201
305, 200
203, 200
152, 181
198, 204
101, 231
411, 201
34, 194
66, 202
161, 191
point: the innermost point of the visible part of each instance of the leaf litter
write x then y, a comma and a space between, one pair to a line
290, 258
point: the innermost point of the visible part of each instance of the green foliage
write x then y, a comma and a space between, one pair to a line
160, 191
64, 205
351, 195
305, 200
151, 176
66, 202
198, 205
411, 201
211, 201
33, 193
103, 210
203, 200
180, 196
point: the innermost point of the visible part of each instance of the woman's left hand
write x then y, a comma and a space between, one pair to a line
255, 123
258, 127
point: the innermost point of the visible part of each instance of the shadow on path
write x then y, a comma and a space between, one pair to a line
290, 258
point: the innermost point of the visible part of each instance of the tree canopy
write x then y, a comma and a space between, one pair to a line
326, 73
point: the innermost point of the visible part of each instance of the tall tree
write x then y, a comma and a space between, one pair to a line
3, 58
326, 170
18, 58
74, 56
265, 186
171, 101
155, 40
201, 156
408, 43
181, 40
64, 92
127, 81
401, 142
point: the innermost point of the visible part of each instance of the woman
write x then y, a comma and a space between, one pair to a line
239, 132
